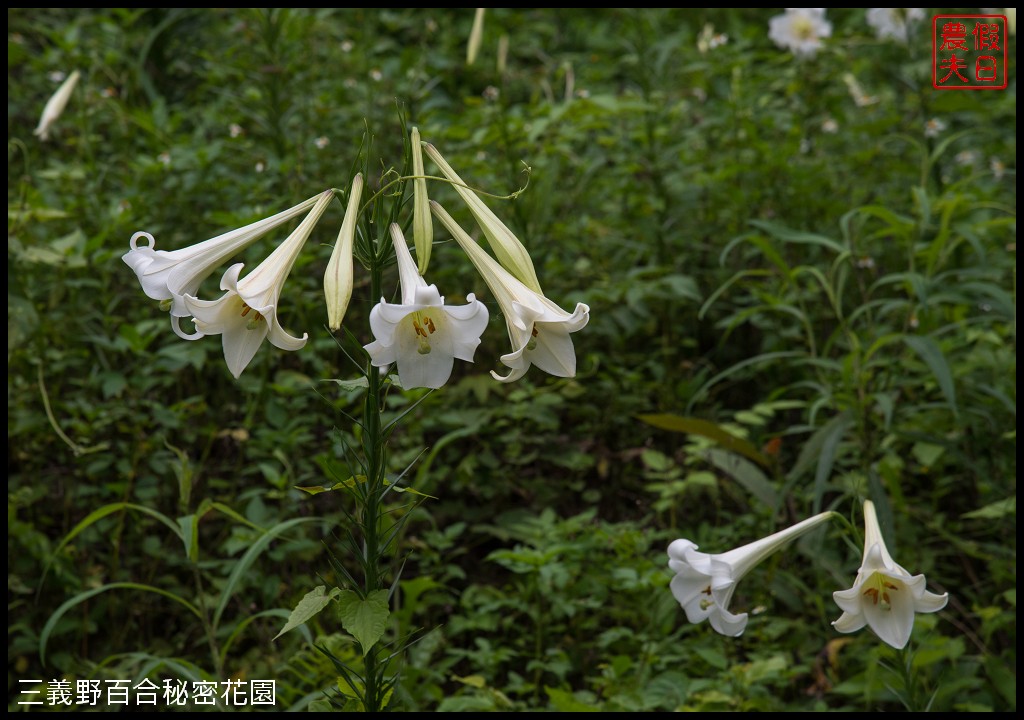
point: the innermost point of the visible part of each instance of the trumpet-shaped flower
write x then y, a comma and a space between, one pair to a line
506, 246
246, 314
800, 30
55, 106
704, 583
423, 335
170, 276
884, 595
539, 329
338, 278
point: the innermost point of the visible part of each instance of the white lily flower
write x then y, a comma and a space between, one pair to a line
246, 314
511, 253
339, 275
800, 30
55, 106
704, 583
884, 595
169, 276
422, 334
539, 329
422, 223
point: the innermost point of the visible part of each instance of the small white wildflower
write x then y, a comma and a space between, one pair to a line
164, 159
260, 167
998, 168
800, 30
830, 126
934, 127
322, 142
56, 76
376, 75
894, 23
490, 93
235, 130
347, 45
966, 157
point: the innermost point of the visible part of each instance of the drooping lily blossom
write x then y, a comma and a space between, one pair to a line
538, 328
168, 276
246, 314
704, 583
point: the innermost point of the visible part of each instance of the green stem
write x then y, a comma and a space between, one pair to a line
373, 445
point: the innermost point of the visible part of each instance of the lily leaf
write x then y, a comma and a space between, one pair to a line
364, 618
315, 600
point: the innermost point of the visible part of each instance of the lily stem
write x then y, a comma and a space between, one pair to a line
376, 460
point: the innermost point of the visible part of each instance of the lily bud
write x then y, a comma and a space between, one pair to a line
422, 222
476, 36
55, 106
338, 278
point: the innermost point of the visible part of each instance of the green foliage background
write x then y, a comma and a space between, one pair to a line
845, 302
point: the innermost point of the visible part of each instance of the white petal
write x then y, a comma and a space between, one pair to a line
280, 338
893, 621
689, 584
849, 601
241, 344
930, 602
849, 622
553, 352
725, 623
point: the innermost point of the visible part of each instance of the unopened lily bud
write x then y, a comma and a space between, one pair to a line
476, 36
55, 106
338, 278
511, 253
422, 222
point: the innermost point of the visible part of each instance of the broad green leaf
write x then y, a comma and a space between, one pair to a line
80, 598
364, 619
565, 701
315, 600
708, 429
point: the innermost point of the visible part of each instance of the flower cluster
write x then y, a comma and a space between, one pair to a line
420, 335
884, 595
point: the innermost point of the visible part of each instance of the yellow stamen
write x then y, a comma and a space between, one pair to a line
878, 590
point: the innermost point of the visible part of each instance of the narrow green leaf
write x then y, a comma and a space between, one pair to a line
81, 597
241, 626
796, 236
994, 511
364, 619
928, 350
100, 513
708, 429
190, 535
309, 606
246, 560
746, 474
